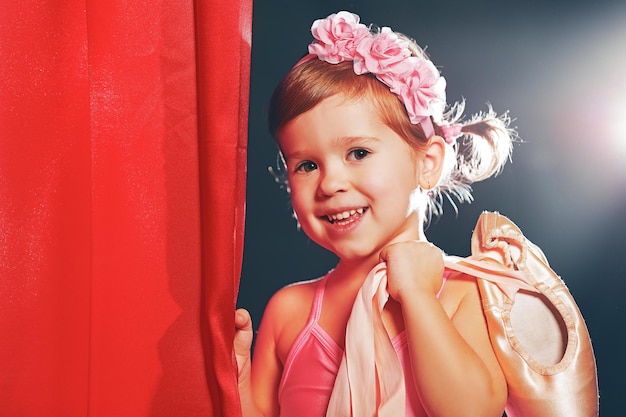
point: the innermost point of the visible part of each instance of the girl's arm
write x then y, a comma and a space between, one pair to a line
259, 379
242, 345
453, 363
258, 383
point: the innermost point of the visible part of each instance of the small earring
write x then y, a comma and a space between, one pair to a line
429, 190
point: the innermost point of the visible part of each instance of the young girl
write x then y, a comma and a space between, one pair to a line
369, 147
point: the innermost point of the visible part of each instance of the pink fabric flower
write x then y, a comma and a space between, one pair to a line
414, 79
383, 52
422, 90
337, 37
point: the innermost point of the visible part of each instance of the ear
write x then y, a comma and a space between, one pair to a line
431, 166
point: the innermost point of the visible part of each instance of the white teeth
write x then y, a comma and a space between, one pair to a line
344, 215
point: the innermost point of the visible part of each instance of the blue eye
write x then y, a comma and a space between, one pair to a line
306, 166
358, 154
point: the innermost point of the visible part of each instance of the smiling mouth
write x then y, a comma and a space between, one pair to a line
345, 216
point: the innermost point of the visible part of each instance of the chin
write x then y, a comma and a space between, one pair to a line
356, 254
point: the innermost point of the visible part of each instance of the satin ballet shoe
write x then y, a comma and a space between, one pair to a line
536, 329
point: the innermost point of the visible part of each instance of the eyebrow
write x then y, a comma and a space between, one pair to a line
350, 140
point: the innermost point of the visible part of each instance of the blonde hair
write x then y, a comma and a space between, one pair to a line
481, 151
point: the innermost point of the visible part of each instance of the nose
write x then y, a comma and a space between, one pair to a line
333, 179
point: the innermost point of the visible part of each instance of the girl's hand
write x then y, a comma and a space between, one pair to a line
413, 267
243, 343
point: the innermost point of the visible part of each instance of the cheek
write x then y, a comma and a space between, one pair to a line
394, 194
394, 182
303, 210
298, 200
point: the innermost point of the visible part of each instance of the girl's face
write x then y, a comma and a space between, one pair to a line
351, 178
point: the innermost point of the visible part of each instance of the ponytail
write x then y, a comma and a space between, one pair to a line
480, 152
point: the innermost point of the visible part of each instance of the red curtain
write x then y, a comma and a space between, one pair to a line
122, 167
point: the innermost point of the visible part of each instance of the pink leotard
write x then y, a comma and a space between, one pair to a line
312, 364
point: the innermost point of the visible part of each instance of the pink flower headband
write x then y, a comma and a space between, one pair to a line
414, 79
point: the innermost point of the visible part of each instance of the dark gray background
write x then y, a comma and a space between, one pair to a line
560, 69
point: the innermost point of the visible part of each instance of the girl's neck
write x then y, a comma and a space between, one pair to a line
348, 276
349, 271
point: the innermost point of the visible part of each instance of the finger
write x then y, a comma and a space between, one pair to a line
384, 254
243, 333
243, 321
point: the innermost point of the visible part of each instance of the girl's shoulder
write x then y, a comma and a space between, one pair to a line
288, 312
294, 297
458, 288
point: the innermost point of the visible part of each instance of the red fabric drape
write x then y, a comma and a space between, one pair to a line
122, 167
223, 85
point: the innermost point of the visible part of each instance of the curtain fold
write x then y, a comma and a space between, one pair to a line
122, 169
223, 86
